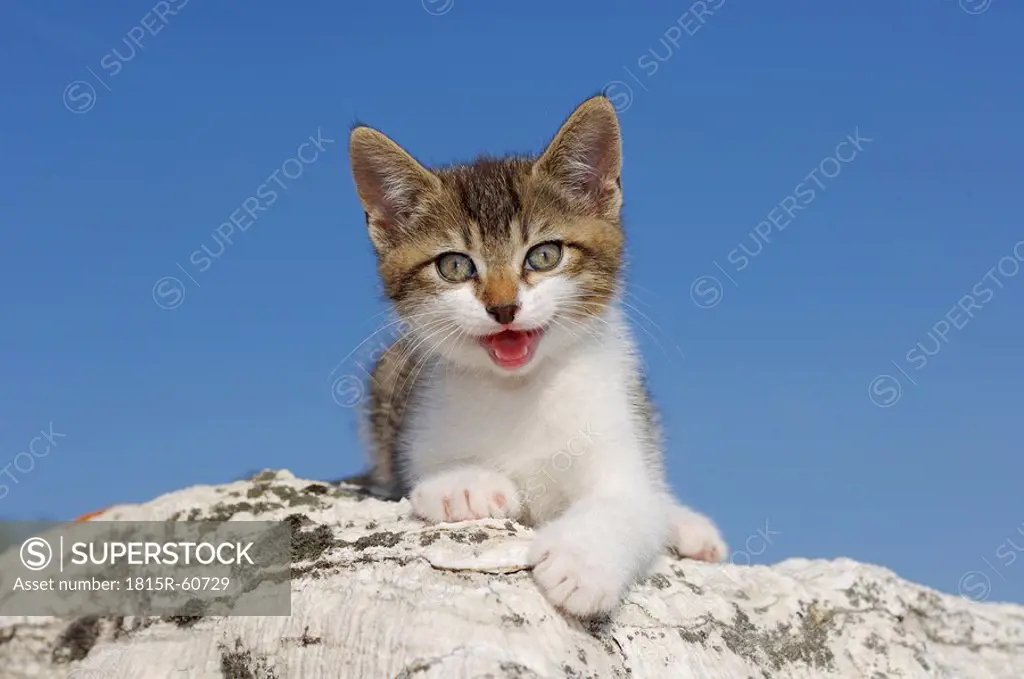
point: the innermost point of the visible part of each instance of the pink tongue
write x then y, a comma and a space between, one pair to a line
509, 345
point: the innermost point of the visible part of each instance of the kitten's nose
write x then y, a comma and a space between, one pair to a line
504, 313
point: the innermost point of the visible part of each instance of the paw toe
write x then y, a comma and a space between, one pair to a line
571, 583
464, 496
694, 536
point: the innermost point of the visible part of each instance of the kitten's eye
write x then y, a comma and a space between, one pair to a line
455, 267
544, 257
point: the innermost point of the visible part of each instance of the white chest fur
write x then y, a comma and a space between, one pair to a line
551, 432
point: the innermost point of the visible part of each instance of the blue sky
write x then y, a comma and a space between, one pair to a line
795, 394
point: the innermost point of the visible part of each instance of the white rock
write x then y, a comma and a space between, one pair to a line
403, 599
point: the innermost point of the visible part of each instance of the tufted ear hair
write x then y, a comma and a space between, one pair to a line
390, 182
585, 158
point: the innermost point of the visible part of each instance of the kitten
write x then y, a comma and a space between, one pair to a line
517, 392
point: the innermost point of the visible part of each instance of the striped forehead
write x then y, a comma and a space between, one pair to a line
489, 194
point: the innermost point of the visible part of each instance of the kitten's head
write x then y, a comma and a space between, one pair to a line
501, 262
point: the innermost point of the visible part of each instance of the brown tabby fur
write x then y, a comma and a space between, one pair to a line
492, 209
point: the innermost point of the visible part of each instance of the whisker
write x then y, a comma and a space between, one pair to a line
429, 354
445, 324
373, 334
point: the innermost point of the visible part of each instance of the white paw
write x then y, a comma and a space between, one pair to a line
463, 495
575, 574
695, 536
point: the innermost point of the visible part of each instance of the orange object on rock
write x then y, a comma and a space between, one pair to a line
90, 515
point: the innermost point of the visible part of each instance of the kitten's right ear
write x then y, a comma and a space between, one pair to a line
390, 182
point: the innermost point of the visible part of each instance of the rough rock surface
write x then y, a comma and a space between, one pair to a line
376, 593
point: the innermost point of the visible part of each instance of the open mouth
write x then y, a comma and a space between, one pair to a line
511, 349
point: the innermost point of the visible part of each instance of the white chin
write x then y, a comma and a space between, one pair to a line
478, 359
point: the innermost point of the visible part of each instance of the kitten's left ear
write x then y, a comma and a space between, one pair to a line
585, 158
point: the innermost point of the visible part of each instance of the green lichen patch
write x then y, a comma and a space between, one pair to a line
785, 645
864, 594
310, 545
223, 512
696, 636
289, 496
384, 538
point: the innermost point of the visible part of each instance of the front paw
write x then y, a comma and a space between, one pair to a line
574, 573
695, 536
463, 495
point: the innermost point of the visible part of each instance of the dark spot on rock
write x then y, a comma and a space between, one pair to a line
288, 495
457, 536
309, 545
427, 539
514, 670
372, 525
182, 621
306, 640
242, 663
297, 521
694, 636
194, 514
175, 516
875, 643
6, 636
864, 594
360, 494
382, 539
223, 512
511, 527
514, 619
296, 498
581, 655
598, 627
415, 667
316, 489
660, 581
679, 573
314, 570
188, 615
478, 537
265, 475
76, 640
138, 623
783, 645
